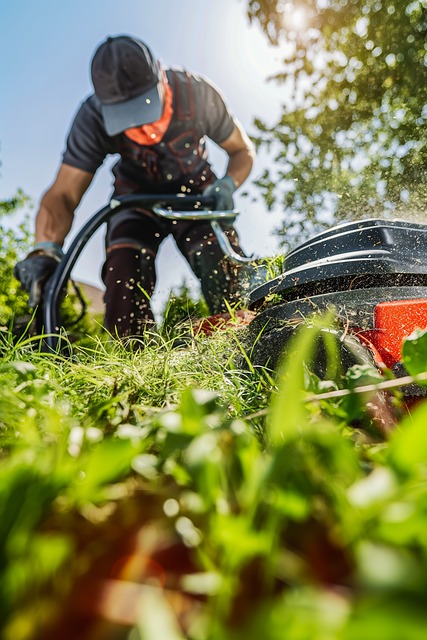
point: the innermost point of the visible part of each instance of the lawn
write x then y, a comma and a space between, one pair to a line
180, 492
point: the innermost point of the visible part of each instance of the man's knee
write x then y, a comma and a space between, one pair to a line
129, 277
218, 276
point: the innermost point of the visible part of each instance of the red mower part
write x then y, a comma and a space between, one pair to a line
393, 322
222, 321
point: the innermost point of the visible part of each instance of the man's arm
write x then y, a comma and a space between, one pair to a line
53, 222
241, 154
241, 157
56, 211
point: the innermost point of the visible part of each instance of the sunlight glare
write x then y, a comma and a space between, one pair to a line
294, 17
298, 19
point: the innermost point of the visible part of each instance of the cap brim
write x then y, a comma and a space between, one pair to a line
135, 112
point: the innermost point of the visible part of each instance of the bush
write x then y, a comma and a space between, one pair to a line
14, 244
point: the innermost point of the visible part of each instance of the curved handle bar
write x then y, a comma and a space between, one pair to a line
226, 247
155, 202
204, 214
214, 218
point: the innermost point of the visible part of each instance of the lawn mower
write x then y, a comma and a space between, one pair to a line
372, 273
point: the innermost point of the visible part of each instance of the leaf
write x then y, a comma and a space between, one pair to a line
25, 370
408, 445
414, 352
354, 405
288, 407
156, 618
209, 583
383, 567
394, 617
146, 465
195, 405
290, 504
236, 533
108, 461
377, 488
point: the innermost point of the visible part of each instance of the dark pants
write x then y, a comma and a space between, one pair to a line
133, 239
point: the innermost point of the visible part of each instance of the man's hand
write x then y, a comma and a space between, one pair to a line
34, 271
222, 190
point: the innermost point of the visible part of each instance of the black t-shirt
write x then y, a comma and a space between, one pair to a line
199, 111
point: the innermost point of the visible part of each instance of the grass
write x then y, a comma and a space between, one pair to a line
176, 492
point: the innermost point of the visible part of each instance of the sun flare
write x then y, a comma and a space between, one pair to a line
294, 17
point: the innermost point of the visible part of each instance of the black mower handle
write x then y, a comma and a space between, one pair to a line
163, 205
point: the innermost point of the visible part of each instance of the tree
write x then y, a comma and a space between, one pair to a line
351, 141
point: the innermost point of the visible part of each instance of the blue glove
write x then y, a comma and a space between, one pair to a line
222, 190
35, 270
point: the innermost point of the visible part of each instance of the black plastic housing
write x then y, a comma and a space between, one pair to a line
367, 254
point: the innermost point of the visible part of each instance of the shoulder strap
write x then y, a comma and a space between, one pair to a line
182, 88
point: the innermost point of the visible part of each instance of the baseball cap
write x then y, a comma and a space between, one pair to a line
127, 81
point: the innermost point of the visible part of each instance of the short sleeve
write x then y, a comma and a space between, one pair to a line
87, 142
218, 120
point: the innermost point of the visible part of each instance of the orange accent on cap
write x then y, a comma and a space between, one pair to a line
149, 134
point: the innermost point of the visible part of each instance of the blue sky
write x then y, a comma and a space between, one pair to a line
45, 49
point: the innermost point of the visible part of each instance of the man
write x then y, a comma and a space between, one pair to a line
157, 120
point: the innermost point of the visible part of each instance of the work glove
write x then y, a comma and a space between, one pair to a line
222, 190
35, 270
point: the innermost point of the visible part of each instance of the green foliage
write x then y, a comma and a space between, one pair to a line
313, 526
414, 352
180, 310
14, 244
351, 140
